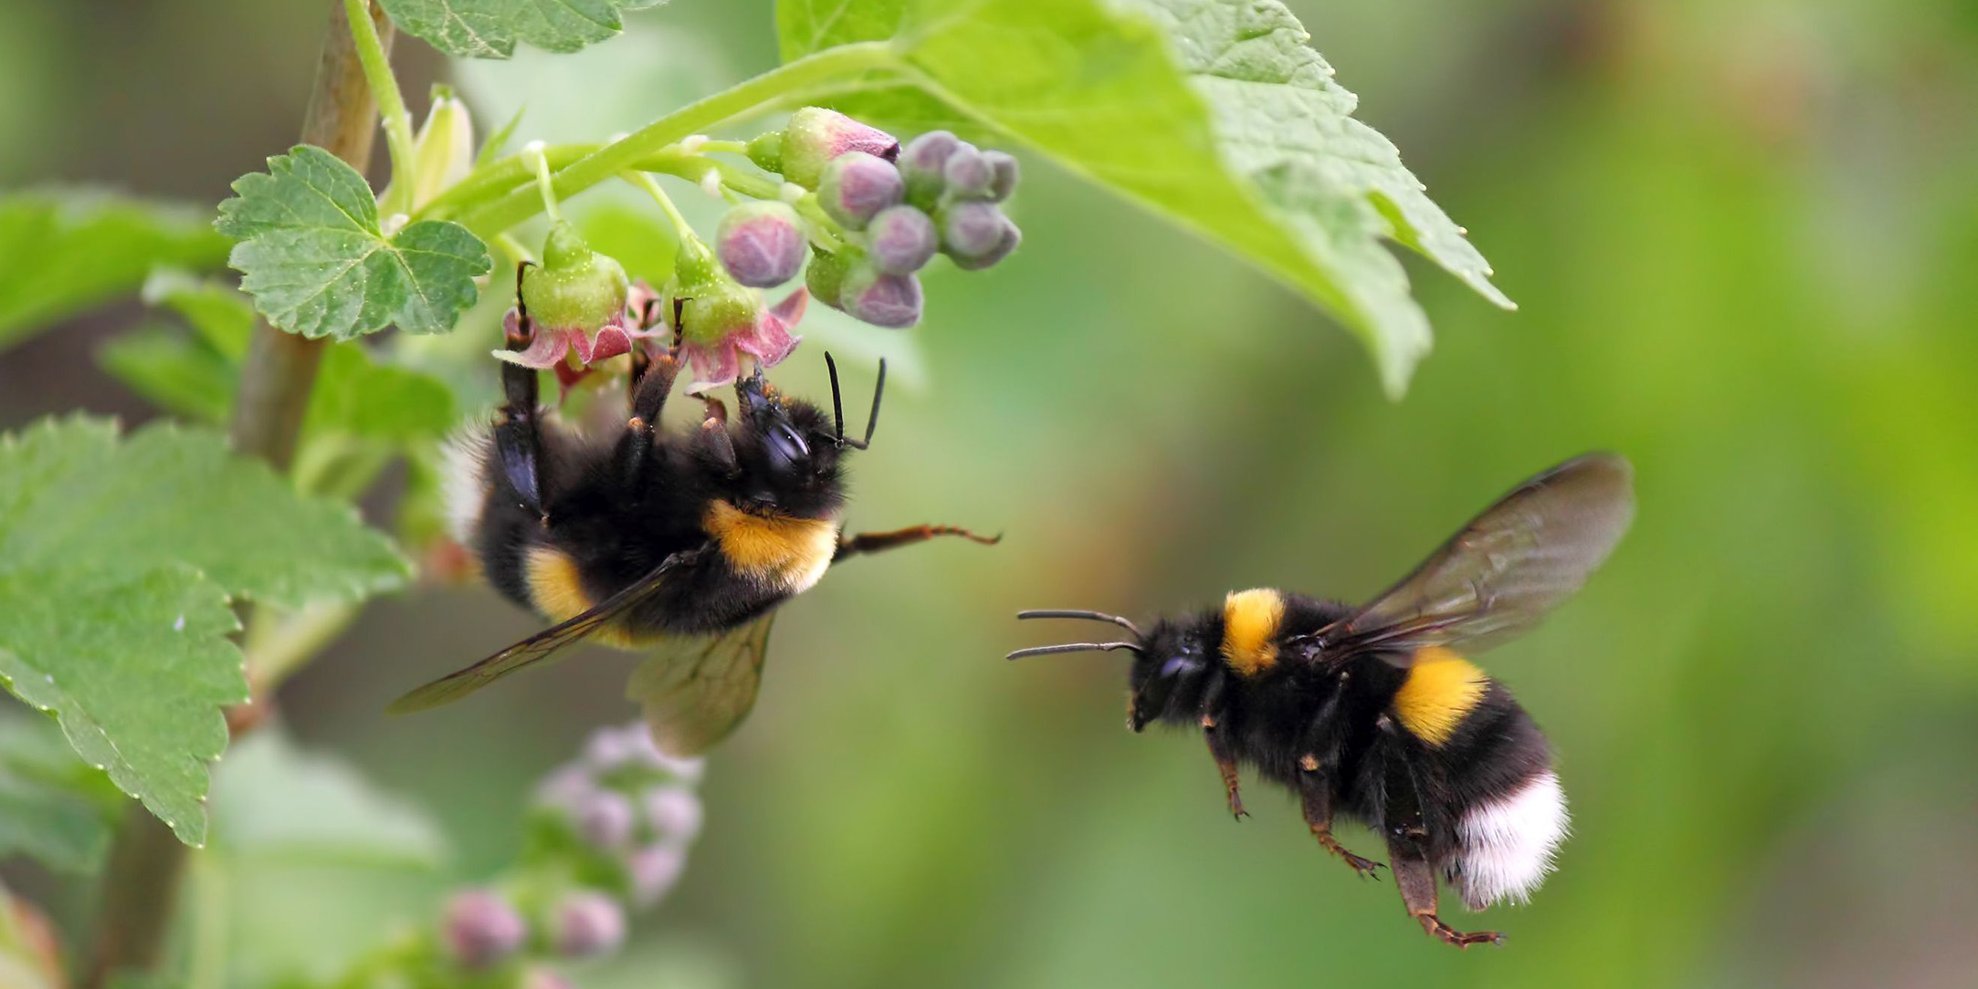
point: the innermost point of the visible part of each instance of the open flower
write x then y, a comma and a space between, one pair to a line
718, 328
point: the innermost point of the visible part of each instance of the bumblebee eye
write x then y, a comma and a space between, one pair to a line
785, 446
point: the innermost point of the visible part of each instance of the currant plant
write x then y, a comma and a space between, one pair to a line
157, 585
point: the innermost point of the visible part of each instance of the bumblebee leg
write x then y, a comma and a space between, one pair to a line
652, 380
1219, 745
1407, 848
516, 427
874, 542
1315, 796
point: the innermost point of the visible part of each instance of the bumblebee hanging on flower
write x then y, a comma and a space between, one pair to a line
1373, 712
680, 543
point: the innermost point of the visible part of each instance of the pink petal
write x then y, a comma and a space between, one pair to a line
611, 341
545, 351
713, 365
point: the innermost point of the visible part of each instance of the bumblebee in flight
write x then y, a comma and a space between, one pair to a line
678, 543
1374, 712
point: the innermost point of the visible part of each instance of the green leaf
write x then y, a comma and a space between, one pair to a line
490, 28
197, 375
313, 256
62, 251
52, 807
274, 801
1212, 112
117, 562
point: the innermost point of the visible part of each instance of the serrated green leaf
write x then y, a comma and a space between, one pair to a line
490, 28
313, 256
117, 562
62, 251
274, 801
1212, 112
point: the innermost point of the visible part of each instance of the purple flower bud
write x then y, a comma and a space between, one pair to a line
761, 244
654, 870
900, 239
921, 163
565, 788
970, 229
1004, 166
969, 174
481, 928
673, 813
881, 299
856, 185
1005, 244
588, 923
605, 819
816, 136
825, 277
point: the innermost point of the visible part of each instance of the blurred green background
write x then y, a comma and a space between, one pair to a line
1742, 237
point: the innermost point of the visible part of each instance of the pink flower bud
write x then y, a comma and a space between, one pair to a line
856, 185
654, 871
881, 299
900, 240
816, 136
922, 163
969, 174
761, 244
481, 928
673, 813
587, 924
605, 819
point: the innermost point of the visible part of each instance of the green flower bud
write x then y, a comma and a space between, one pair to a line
766, 151
816, 136
825, 277
575, 287
443, 151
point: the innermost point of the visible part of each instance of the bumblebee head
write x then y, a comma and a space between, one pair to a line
1168, 661
787, 462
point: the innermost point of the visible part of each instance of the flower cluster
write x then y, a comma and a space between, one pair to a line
611, 830
857, 216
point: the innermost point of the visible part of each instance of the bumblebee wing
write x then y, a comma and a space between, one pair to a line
696, 689
1501, 573
539, 646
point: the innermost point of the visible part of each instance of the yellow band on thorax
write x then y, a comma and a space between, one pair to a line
1250, 625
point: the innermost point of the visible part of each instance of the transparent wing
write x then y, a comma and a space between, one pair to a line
1505, 570
537, 647
696, 689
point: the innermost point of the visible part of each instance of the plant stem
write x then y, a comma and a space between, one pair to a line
682, 230
147, 862
375, 59
753, 95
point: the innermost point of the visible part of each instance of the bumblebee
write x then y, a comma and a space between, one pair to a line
1376, 714
678, 543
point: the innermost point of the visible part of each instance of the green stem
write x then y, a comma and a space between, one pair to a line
487, 182
681, 228
391, 104
751, 96
543, 187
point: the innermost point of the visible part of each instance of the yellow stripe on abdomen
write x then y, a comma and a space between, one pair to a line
1441, 690
1250, 623
791, 553
556, 588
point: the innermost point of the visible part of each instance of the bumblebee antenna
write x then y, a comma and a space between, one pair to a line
1097, 616
837, 403
838, 411
1072, 647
